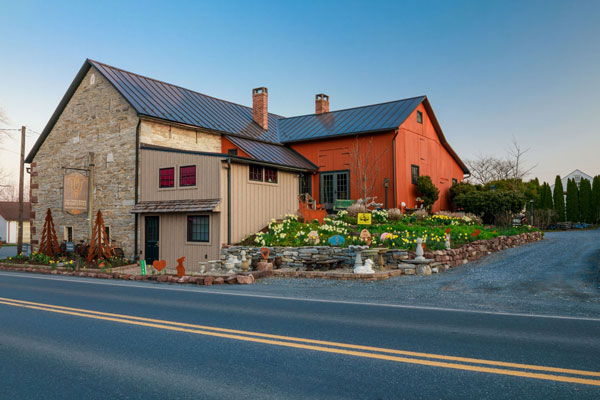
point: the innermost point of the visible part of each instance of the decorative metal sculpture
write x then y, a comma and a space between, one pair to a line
310, 210
180, 268
49, 243
159, 265
264, 252
99, 248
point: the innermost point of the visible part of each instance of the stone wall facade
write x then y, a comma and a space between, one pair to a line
97, 119
159, 134
293, 257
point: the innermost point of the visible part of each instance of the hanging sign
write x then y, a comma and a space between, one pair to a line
75, 193
364, 219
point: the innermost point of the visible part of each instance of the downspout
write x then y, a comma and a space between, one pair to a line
394, 165
228, 200
137, 158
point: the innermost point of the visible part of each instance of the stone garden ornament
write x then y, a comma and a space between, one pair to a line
420, 252
367, 268
313, 237
365, 236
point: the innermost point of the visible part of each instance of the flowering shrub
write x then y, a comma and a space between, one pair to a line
386, 232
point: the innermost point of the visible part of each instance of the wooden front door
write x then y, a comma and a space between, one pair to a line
151, 236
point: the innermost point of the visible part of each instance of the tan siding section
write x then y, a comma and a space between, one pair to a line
163, 134
254, 204
207, 176
173, 241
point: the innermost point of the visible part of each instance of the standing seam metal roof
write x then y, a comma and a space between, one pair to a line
169, 102
272, 153
377, 117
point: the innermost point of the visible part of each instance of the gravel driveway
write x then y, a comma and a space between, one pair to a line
556, 276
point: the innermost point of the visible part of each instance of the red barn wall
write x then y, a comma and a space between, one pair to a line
226, 145
420, 145
335, 155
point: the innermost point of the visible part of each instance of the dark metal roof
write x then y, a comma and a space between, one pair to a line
173, 103
9, 210
272, 153
175, 206
373, 118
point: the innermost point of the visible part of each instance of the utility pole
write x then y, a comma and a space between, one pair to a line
90, 195
21, 182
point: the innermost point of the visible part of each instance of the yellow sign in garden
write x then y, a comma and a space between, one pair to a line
364, 219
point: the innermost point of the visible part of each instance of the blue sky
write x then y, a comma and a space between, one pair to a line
491, 69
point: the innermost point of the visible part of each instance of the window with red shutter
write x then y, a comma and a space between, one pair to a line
166, 177
187, 175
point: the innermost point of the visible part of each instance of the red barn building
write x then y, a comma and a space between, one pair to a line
402, 137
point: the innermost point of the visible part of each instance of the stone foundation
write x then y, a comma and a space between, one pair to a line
441, 260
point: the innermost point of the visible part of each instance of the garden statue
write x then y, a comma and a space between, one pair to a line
447, 244
365, 236
336, 240
245, 264
367, 268
419, 256
313, 237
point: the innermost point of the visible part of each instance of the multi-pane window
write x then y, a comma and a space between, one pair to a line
305, 184
167, 177
68, 233
232, 152
271, 175
419, 117
342, 186
187, 175
198, 228
256, 173
414, 173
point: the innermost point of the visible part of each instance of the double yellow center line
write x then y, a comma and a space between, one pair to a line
402, 356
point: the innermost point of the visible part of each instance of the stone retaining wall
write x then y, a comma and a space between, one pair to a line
292, 257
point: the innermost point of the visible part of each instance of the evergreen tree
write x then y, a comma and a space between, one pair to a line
546, 197
572, 201
596, 200
585, 201
559, 199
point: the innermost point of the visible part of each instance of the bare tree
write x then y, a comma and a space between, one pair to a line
485, 169
365, 168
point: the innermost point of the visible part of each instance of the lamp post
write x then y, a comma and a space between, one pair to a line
531, 202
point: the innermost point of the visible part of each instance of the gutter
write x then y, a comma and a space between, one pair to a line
394, 165
228, 200
137, 179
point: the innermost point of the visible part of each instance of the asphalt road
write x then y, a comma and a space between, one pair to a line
50, 352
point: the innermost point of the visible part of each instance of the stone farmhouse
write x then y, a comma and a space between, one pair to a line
176, 172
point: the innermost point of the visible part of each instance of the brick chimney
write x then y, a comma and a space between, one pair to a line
260, 109
321, 103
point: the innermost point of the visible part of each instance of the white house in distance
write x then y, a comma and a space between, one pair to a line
578, 175
9, 221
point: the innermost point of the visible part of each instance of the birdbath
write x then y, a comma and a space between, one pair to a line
370, 253
358, 249
380, 262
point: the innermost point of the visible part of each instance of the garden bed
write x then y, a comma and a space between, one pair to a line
132, 272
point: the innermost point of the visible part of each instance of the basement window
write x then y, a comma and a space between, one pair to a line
166, 177
256, 173
414, 173
419, 117
187, 175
